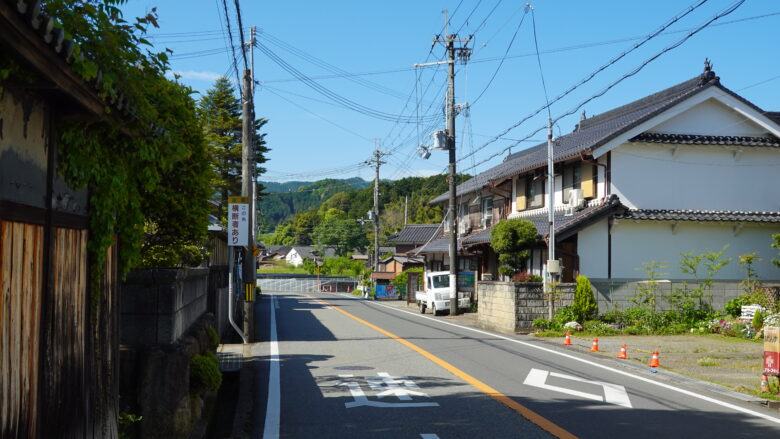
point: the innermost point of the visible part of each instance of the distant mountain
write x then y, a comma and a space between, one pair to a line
284, 200
292, 186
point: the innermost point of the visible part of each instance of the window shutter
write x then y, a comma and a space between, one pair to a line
588, 181
520, 191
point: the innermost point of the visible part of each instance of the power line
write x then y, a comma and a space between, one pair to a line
345, 102
631, 73
539, 62
592, 74
232, 45
495, 73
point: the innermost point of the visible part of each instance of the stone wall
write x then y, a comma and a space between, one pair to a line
617, 293
159, 305
155, 384
510, 307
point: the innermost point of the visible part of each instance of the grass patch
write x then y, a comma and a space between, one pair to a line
276, 267
707, 362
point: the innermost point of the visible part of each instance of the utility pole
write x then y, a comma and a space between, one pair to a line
406, 209
247, 190
376, 162
553, 267
463, 53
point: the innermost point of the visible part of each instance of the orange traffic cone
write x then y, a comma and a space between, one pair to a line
595, 347
654, 362
622, 355
567, 340
764, 384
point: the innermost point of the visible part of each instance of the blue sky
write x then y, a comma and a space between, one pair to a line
363, 51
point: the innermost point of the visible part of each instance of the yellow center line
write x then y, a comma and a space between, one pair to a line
524, 411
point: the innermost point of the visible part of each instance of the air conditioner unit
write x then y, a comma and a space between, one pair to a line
576, 199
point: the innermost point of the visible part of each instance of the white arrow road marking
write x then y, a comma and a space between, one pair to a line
613, 393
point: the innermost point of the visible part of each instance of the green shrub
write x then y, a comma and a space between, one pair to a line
204, 373
585, 306
541, 324
634, 315
758, 320
565, 314
635, 330
599, 328
707, 361
213, 337
614, 316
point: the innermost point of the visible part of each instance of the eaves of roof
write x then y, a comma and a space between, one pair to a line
593, 132
700, 215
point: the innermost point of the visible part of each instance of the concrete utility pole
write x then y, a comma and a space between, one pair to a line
553, 267
463, 53
247, 190
376, 162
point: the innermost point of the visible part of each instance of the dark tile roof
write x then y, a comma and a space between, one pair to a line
415, 234
441, 245
693, 139
774, 115
563, 224
592, 132
700, 215
44, 31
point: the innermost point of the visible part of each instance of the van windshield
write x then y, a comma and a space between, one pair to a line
441, 281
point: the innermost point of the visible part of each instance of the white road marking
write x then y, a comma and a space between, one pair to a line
429, 436
391, 384
613, 393
273, 410
592, 363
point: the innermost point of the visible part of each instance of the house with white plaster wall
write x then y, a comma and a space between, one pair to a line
694, 167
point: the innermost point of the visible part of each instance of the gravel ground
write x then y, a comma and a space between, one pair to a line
731, 362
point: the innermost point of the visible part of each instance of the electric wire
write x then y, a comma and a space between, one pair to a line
500, 64
539, 62
730, 9
345, 102
594, 73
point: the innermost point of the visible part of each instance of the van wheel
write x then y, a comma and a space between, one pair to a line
422, 307
434, 310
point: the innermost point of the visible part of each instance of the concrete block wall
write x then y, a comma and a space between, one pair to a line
511, 307
159, 305
497, 311
617, 293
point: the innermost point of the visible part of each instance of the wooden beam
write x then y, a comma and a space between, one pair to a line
18, 36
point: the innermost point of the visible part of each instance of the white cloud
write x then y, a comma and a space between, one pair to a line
195, 75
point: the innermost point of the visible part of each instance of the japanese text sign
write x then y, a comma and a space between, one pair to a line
238, 221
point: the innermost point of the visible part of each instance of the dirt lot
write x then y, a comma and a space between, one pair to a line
731, 362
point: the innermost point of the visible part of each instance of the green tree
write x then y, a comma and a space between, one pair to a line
336, 230
584, 305
220, 111
511, 239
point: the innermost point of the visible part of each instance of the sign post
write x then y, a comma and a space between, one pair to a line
238, 223
772, 350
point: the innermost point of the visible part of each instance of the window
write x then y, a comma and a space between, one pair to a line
534, 192
572, 179
487, 211
441, 281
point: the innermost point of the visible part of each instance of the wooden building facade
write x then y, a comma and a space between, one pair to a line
58, 336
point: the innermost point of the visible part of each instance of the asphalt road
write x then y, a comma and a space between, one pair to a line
333, 366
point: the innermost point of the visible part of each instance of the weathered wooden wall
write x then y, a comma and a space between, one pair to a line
65, 315
21, 287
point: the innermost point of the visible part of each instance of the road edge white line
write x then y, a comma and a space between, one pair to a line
272, 408
601, 366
